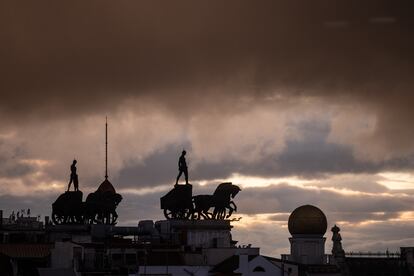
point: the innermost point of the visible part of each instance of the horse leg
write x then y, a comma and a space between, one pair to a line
219, 213
223, 213
197, 202
114, 217
206, 214
234, 205
210, 215
230, 212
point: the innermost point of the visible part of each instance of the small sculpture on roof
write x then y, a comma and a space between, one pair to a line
180, 204
73, 176
337, 241
182, 168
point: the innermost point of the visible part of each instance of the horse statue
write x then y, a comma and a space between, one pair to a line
101, 207
220, 201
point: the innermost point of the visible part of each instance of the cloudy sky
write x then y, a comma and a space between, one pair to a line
297, 102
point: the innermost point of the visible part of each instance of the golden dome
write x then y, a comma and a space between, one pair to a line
307, 220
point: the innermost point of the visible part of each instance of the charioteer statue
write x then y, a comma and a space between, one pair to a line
73, 176
182, 168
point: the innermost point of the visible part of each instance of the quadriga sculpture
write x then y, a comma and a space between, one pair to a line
179, 203
99, 207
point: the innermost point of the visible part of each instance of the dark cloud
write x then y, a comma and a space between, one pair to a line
352, 183
134, 208
279, 217
12, 168
159, 168
378, 236
364, 216
11, 161
314, 155
285, 198
311, 157
89, 57
71, 60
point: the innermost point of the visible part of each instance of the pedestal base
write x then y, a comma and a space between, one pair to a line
307, 249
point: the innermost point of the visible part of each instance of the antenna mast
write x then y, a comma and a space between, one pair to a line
106, 147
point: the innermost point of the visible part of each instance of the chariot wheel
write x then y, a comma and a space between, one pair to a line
57, 219
113, 218
179, 214
98, 219
79, 219
184, 214
169, 214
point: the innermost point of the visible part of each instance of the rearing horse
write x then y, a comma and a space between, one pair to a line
220, 201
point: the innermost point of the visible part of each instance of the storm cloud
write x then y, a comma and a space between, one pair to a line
183, 58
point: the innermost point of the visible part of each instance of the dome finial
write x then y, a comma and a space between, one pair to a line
106, 147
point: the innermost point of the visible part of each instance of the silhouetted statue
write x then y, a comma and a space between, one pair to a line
338, 252
100, 207
337, 242
73, 177
177, 203
220, 201
182, 168
68, 208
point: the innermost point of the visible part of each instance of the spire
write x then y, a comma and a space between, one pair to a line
106, 186
106, 147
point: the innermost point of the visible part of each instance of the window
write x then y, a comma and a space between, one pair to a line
259, 269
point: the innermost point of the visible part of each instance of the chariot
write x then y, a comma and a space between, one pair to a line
177, 203
68, 208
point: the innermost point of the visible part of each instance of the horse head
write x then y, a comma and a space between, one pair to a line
227, 190
235, 190
117, 199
